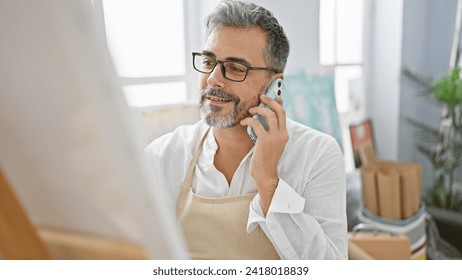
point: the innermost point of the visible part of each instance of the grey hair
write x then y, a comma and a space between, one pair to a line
243, 14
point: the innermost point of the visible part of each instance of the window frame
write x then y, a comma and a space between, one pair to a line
344, 116
335, 63
189, 77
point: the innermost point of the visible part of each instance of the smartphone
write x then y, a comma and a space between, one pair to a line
276, 88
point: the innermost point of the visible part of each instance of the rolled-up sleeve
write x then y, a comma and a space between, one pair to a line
310, 224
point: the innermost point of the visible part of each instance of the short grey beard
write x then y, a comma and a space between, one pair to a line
226, 121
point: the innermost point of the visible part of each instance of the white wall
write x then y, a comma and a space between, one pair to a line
382, 63
415, 34
300, 20
427, 37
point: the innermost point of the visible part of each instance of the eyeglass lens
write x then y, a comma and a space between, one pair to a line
232, 70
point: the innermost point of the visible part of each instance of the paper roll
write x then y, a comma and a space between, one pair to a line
392, 190
369, 188
410, 188
389, 194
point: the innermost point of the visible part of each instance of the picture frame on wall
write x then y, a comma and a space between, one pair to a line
362, 141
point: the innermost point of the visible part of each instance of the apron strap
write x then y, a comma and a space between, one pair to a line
187, 183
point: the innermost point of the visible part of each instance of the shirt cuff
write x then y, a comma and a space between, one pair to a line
285, 200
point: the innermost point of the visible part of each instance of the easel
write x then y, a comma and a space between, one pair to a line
18, 237
21, 240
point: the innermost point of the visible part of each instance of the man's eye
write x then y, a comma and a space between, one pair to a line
208, 62
236, 68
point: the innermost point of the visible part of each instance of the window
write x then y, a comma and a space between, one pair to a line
341, 41
147, 42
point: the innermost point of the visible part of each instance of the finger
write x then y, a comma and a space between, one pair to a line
256, 125
276, 107
274, 104
270, 116
279, 100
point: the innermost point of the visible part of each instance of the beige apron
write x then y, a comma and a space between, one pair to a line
215, 228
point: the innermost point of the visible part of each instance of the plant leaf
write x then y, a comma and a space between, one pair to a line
421, 83
426, 132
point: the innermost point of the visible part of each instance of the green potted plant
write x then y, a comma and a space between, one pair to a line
443, 148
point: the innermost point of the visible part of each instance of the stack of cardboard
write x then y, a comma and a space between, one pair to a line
392, 190
379, 246
391, 195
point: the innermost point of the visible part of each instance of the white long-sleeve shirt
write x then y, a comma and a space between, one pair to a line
307, 215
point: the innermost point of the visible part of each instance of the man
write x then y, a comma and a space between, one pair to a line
281, 197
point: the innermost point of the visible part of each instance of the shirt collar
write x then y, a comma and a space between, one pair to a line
210, 149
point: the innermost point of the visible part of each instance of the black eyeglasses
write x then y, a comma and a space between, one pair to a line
232, 70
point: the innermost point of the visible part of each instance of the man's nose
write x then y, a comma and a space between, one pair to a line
216, 78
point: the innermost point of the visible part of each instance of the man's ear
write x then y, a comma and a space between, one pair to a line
275, 76
279, 75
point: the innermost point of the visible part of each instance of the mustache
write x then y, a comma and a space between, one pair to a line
220, 94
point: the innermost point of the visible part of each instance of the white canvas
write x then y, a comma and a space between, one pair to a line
68, 143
